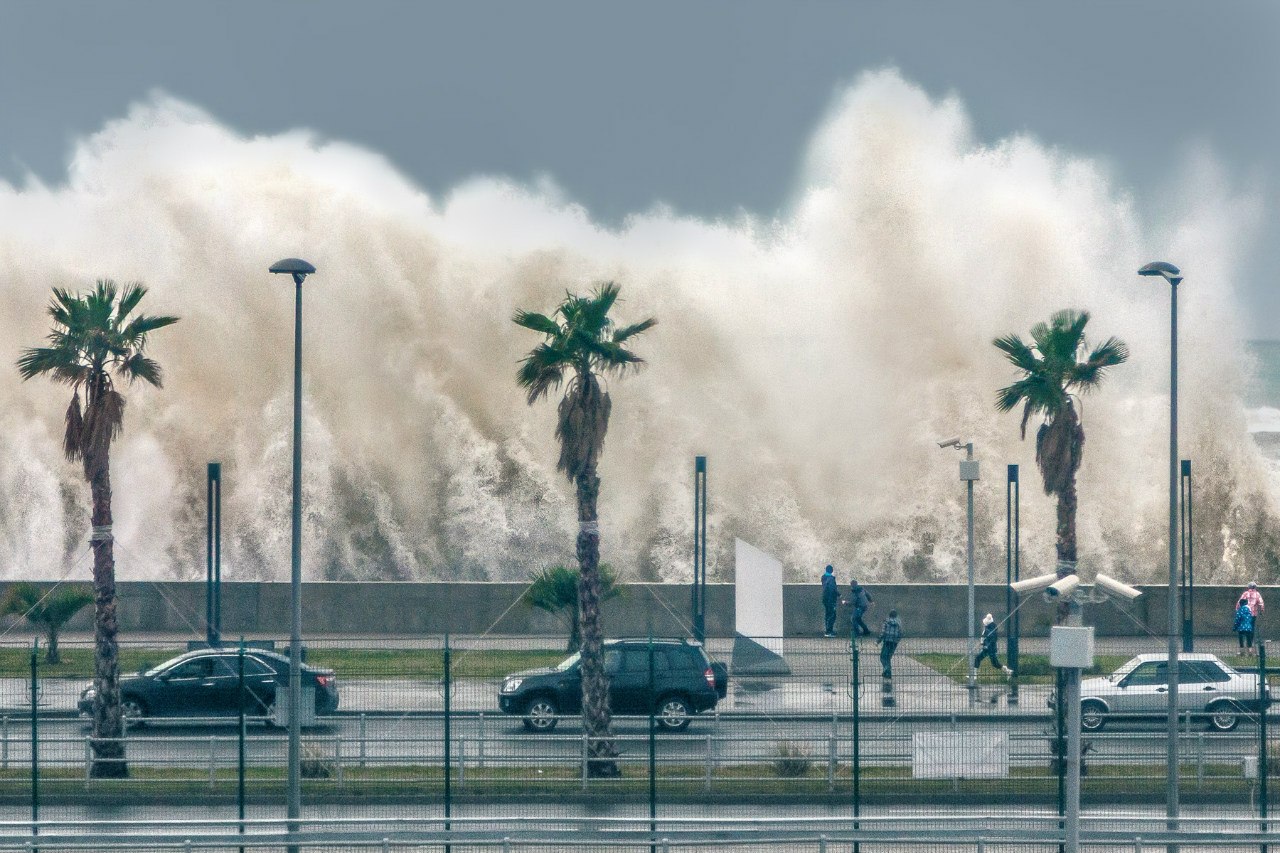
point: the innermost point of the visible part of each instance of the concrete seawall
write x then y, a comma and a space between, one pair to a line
394, 608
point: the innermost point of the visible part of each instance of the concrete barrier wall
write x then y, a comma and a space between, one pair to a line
392, 608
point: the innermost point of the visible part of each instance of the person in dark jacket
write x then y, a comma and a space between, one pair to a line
890, 636
990, 636
830, 597
1243, 625
861, 601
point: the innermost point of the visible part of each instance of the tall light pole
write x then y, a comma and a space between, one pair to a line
1173, 275
968, 473
299, 269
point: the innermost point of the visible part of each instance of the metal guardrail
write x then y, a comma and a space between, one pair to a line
954, 834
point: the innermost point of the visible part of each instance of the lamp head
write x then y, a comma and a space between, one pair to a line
950, 442
1168, 271
296, 267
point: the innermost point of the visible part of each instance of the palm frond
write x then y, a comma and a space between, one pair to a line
631, 331
139, 327
1107, 354
129, 299
537, 322
73, 432
1018, 352
138, 366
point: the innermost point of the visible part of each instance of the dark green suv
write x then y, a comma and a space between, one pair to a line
685, 682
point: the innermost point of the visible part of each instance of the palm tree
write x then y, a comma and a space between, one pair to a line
583, 342
94, 343
1051, 372
555, 590
48, 611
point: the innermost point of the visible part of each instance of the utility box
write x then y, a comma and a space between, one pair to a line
308, 715
969, 469
1070, 647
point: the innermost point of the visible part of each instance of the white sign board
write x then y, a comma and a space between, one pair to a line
757, 607
960, 755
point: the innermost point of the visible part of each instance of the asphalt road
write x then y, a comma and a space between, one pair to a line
499, 740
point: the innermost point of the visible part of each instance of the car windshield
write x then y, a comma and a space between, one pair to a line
568, 663
1124, 670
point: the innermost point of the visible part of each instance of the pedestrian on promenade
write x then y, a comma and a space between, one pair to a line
1254, 599
890, 636
830, 597
1243, 626
990, 636
861, 601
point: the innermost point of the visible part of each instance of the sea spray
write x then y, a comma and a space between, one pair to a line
815, 358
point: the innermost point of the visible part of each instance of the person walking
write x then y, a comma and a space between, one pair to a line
1254, 599
990, 636
1243, 626
890, 636
861, 601
830, 597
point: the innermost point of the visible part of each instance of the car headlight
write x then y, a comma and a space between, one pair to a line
511, 685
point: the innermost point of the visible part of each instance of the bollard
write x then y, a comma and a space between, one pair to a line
364, 736
4, 744
480, 745
1200, 762
822, 844
584, 759
1137, 844
88, 759
707, 766
337, 759
506, 845
831, 763
386, 845
213, 761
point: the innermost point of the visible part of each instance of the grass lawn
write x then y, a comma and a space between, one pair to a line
1032, 669
349, 664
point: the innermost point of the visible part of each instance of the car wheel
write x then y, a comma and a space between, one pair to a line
540, 714
1093, 716
674, 713
269, 713
1223, 716
133, 711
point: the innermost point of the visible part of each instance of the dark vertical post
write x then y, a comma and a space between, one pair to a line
217, 553
448, 739
699, 603
653, 754
1060, 748
1263, 765
240, 745
1188, 567
213, 553
856, 770
294, 805
35, 739
1011, 496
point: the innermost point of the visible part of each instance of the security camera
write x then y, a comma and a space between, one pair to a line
1035, 584
1115, 589
1062, 588
950, 442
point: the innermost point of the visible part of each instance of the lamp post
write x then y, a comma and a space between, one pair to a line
299, 269
1173, 275
968, 473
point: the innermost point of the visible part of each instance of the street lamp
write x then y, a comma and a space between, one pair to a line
299, 269
1173, 275
968, 473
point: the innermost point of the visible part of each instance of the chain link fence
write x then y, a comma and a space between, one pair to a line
817, 731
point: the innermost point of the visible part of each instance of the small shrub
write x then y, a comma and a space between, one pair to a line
792, 761
313, 765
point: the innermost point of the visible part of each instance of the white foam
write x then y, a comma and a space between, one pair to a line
815, 359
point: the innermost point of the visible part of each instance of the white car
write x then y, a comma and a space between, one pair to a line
1206, 687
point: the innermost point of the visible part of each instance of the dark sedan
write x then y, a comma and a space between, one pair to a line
206, 683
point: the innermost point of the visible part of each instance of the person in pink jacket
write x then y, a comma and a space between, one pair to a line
1254, 599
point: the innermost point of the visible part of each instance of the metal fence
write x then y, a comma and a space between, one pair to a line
826, 732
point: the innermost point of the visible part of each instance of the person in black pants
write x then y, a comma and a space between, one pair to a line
861, 601
990, 635
830, 597
890, 636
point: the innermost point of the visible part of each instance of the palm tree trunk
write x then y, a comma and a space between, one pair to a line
108, 723
1066, 541
595, 684
51, 655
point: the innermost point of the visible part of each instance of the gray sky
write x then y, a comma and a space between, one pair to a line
706, 106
